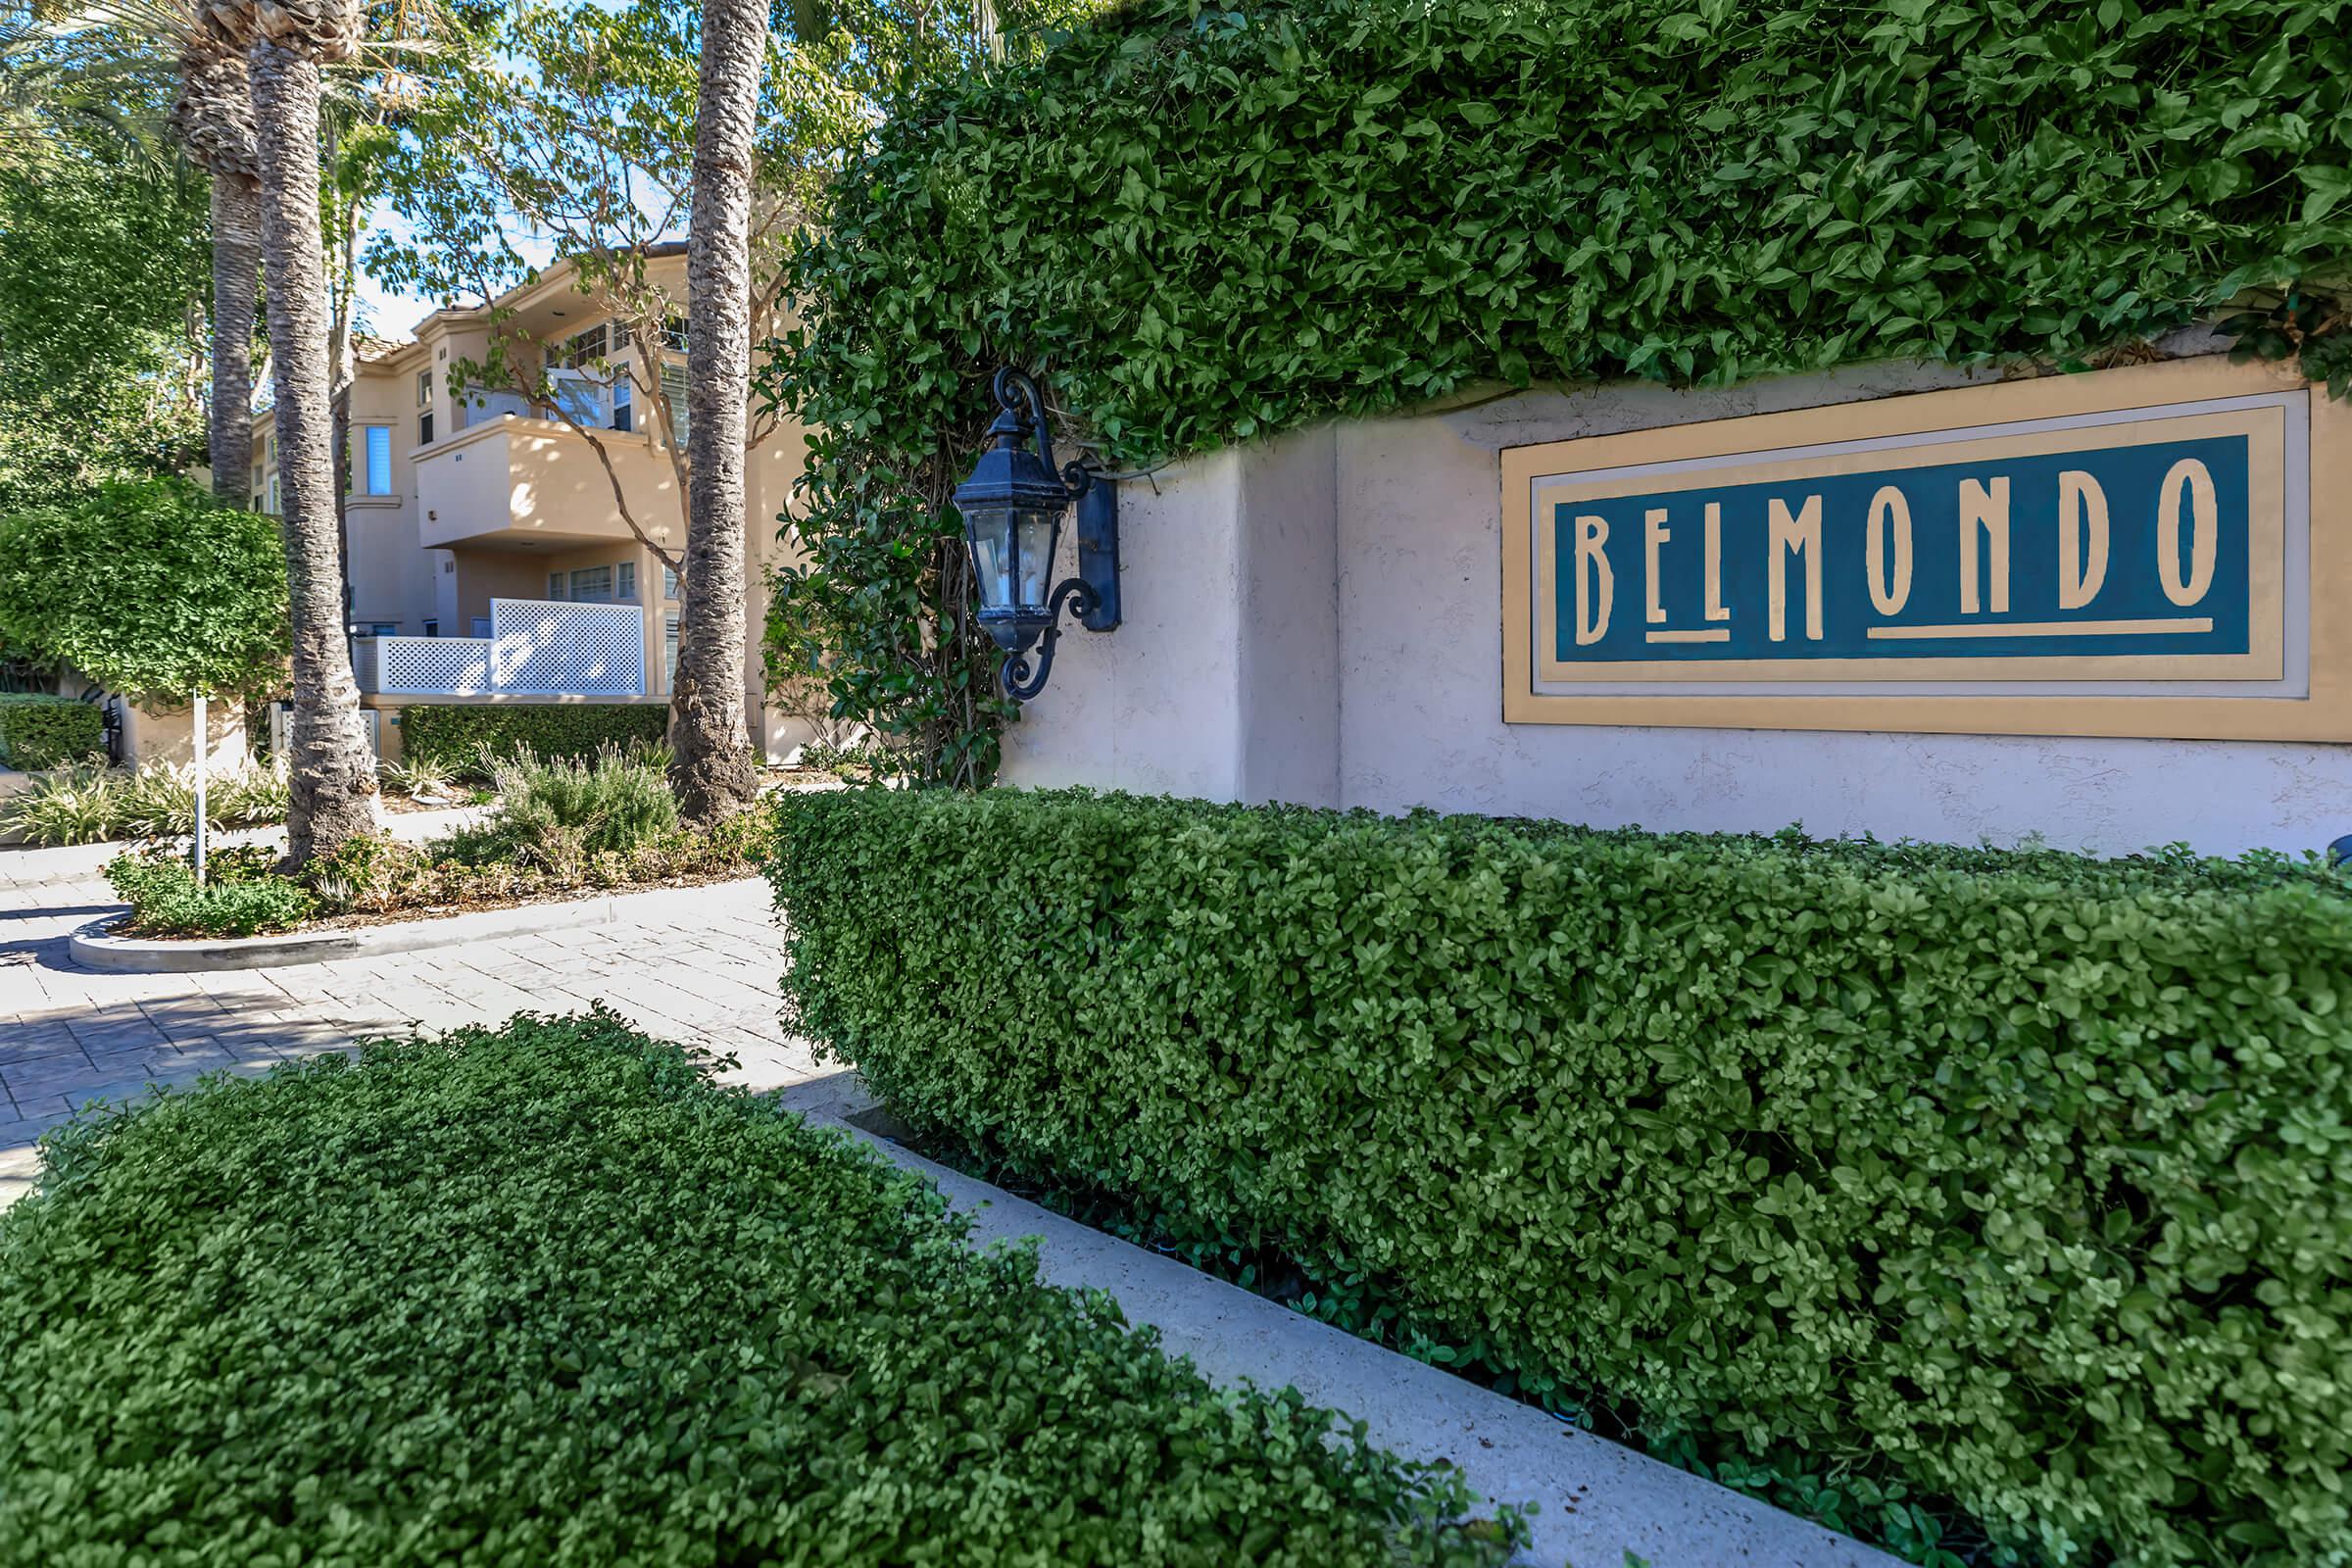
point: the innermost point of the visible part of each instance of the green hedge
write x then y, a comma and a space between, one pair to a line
2025, 1179
458, 734
545, 1294
39, 731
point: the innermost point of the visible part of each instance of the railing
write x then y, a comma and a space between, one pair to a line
536, 647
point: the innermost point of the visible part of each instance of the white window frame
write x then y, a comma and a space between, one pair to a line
375, 477
624, 582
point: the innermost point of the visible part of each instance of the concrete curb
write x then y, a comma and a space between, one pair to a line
92, 947
1595, 1499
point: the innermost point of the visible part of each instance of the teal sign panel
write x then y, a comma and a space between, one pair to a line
2138, 547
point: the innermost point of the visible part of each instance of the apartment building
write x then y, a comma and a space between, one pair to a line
487, 523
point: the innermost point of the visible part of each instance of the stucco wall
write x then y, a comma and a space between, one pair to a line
1318, 619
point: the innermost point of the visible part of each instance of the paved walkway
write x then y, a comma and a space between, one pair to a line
695, 964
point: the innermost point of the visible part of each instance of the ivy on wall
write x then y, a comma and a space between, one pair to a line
1204, 227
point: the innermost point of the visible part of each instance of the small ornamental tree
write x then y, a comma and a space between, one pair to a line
150, 587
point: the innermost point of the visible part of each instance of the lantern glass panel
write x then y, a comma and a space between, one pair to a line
990, 529
1035, 533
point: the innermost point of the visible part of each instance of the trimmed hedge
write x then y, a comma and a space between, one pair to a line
38, 731
458, 734
2022, 1178
545, 1294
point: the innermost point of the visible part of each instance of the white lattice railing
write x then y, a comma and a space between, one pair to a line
536, 647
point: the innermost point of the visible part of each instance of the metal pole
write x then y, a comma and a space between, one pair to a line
201, 770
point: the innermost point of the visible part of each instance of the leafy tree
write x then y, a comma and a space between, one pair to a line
148, 586
578, 122
102, 267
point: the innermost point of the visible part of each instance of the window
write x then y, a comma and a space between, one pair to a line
271, 503
481, 626
670, 582
624, 412
581, 397
425, 428
582, 349
424, 389
555, 585
674, 334
673, 387
592, 584
432, 628
624, 581
379, 458
376, 629
669, 649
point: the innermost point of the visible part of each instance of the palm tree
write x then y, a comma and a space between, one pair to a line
214, 118
712, 774
332, 775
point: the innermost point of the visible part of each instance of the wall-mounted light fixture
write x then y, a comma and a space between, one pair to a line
1012, 507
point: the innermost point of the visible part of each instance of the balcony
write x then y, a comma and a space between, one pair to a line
513, 481
536, 647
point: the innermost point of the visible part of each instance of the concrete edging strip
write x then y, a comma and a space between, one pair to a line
1596, 1500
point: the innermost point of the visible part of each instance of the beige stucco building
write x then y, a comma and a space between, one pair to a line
460, 496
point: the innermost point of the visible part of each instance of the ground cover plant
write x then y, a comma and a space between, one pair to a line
38, 731
545, 1294
2016, 1179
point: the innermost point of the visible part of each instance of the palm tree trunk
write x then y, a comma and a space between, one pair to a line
333, 796
714, 776
236, 269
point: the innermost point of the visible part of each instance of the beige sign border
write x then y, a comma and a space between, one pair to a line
2324, 715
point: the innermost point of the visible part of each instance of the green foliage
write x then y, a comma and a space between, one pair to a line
151, 587
2018, 1179
554, 816
38, 731
546, 1293
479, 866
89, 802
103, 255
463, 736
165, 899
1207, 226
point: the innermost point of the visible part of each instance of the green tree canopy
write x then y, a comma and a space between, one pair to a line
150, 587
103, 277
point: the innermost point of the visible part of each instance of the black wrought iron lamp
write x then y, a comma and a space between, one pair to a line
1012, 507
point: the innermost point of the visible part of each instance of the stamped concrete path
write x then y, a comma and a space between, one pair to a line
693, 964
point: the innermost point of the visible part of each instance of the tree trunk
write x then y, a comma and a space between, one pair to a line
236, 271
713, 775
334, 794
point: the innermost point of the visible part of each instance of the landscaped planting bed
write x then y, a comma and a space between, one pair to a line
557, 829
2011, 1179
545, 1294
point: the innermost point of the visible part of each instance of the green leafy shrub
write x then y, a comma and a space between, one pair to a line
165, 899
549, 1288
2023, 1179
461, 735
151, 587
37, 731
558, 813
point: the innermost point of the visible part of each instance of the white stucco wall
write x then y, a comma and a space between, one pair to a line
1318, 619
